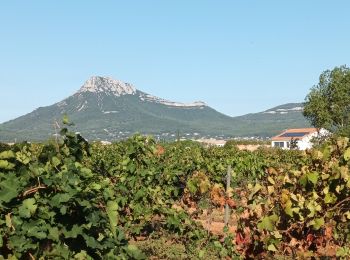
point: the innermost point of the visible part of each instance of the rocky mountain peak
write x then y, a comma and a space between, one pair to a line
97, 84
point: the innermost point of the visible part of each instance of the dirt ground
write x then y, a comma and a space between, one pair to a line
251, 147
214, 221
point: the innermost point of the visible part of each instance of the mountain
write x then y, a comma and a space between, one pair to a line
272, 121
108, 109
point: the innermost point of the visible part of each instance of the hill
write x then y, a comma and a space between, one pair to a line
271, 121
108, 109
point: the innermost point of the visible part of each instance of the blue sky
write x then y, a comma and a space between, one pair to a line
238, 56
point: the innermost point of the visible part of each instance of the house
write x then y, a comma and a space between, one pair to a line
301, 136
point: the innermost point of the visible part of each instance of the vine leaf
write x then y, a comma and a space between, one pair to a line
268, 223
330, 198
7, 155
6, 165
347, 154
28, 208
9, 188
312, 177
317, 223
134, 252
256, 189
112, 212
272, 248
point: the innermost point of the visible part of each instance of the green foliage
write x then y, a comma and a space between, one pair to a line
53, 206
328, 103
305, 204
71, 199
166, 247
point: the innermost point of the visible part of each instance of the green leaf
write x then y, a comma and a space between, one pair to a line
272, 248
9, 188
7, 155
217, 244
55, 161
303, 180
28, 208
35, 229
131, 167
313, 207
288, 208
134, 252
191, 186
126, 161
23, 157
63, 210
8, 220
53, 234
60, 198
112, 212
312, 177
139, 194
204, 186
74, 232
268, 223
277, 234
95, 186
344, 172
330, 198
201, 253
347, 154
6, 165
317, 223
256, 189
343, 252
274, 218
66, 121
19, 243
271, 180
82, 255
86, 172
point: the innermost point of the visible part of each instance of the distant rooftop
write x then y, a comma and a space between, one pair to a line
294, 133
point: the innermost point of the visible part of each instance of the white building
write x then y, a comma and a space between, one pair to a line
302, 137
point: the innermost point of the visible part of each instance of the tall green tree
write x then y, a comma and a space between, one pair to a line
328, 103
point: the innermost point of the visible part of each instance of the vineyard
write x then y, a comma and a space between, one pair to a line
139, 199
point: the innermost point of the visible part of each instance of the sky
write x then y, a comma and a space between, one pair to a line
237, 56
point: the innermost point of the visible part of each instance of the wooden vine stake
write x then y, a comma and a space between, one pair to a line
228, 185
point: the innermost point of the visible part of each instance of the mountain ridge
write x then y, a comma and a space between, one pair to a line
108, 109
